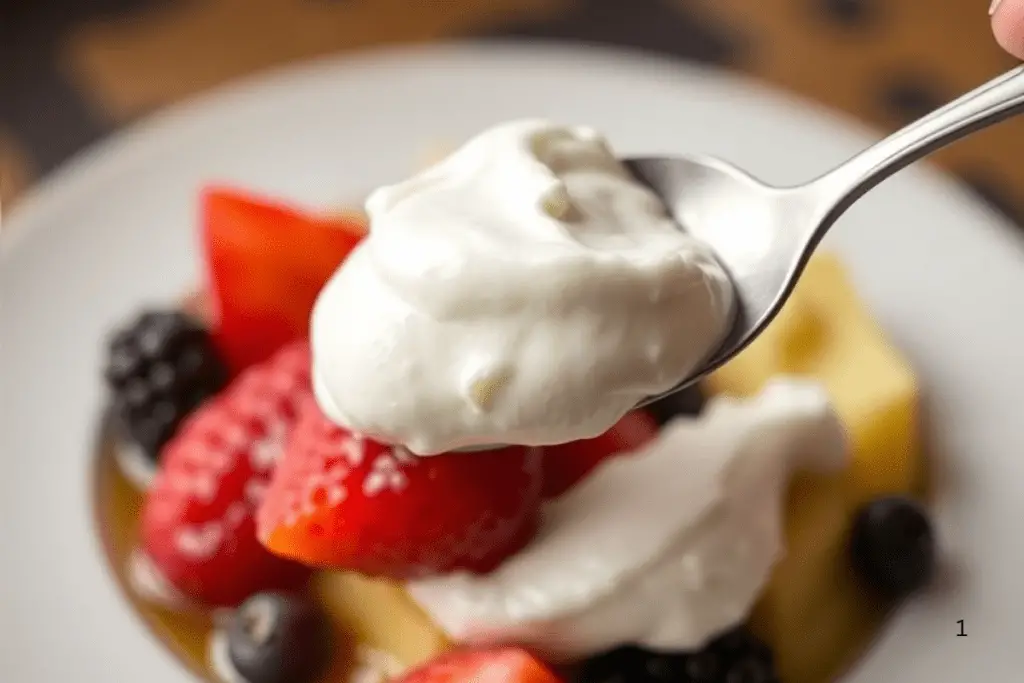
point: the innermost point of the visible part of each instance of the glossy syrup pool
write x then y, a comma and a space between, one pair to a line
378, 617
358, 609
118, 505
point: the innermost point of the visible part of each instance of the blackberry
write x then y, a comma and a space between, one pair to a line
622, 665
750, 670
739, 643
683, 667
892, 546
160, 368
734, 657
744, 657
689, 401
704, 666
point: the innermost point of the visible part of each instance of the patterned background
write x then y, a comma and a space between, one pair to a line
73, 71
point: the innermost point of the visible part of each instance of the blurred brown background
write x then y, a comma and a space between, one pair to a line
73, 71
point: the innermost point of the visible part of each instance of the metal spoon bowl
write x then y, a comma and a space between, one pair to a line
780, 227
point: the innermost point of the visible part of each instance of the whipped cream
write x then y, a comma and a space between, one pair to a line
151, 585
663, 548
526, 289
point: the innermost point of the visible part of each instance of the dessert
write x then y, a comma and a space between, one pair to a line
761, 540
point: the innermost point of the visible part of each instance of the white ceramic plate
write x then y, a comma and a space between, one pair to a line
115, 229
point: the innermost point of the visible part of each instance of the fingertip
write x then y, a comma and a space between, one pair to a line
1008, 25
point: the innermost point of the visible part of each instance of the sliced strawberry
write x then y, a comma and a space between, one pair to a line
345, 502
504, 665
198, 530
266, 263
567, 464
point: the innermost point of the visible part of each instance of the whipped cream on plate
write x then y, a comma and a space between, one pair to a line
662, 548
526, 289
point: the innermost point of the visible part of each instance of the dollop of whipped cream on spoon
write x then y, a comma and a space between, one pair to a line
526, 289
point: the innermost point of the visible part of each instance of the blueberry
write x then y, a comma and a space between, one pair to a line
278, 638
892, 546
159, 369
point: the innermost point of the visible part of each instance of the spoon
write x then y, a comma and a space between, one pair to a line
764, 236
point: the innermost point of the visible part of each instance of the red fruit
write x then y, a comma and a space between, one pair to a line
341, 501
198, 527
504, 665
266, 263
567, 464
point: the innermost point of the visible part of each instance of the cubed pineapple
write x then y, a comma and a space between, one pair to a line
812, 612
379, 615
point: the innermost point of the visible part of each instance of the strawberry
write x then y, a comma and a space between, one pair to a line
503, 665
341, 501
567, 464
266, 263
198, 529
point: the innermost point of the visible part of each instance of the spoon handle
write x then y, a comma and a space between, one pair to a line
998, 99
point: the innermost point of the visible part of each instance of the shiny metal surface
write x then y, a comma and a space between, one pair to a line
780, 227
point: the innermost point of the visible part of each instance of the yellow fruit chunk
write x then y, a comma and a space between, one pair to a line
379, 615
812, 612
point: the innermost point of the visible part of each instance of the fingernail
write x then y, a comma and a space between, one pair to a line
993, 7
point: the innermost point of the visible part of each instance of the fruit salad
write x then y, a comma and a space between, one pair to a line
753, 529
